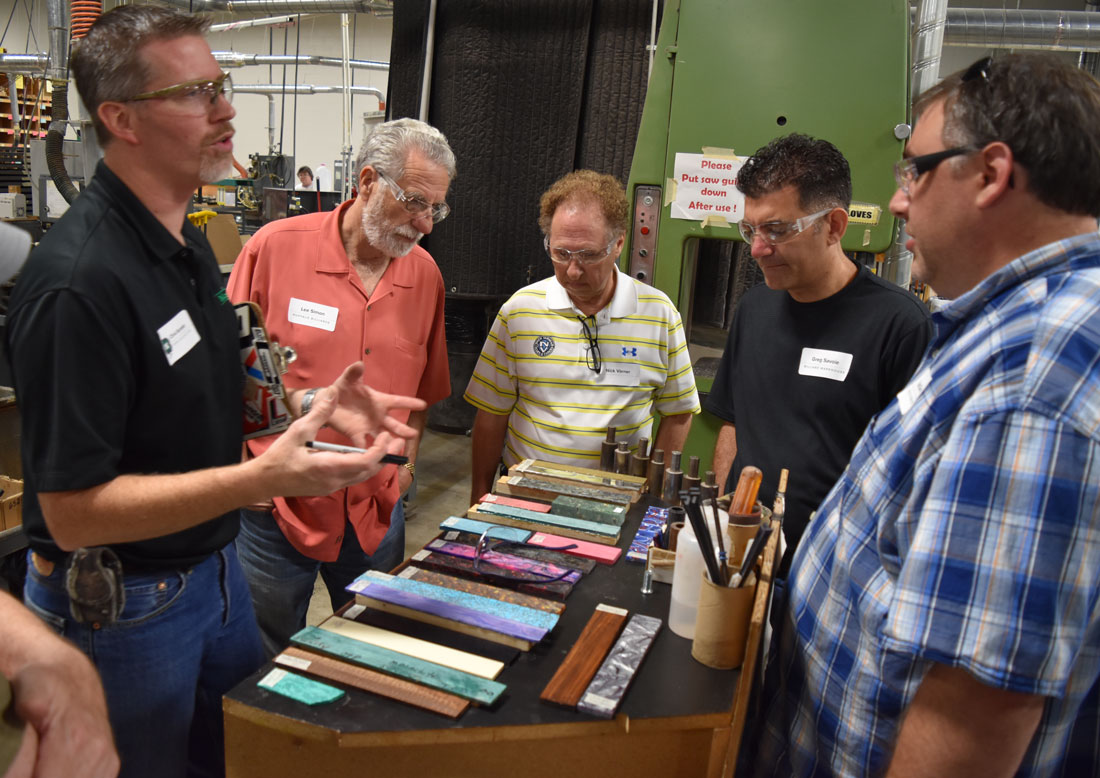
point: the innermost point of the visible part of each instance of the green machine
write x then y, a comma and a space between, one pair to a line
730, 75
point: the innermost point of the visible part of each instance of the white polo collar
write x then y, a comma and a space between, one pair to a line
623, 303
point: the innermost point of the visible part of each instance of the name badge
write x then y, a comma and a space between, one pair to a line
908, 396
178, 336
323, 317
621, 374
822, 363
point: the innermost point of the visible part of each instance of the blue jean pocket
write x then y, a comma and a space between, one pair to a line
148, 597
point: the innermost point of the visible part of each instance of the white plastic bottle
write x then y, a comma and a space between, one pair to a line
687, 576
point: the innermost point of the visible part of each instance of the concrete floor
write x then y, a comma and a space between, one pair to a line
442, 489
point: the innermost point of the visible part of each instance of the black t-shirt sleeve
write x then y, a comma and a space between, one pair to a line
80, 382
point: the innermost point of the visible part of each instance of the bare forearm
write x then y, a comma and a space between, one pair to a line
725, 451
959, 727
488, 443
23, 636
672, 433
417, 420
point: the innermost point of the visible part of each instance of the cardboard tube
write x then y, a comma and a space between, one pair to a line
722, 624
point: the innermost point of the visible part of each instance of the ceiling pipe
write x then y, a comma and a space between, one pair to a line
24, 63
1009, 29
233, 59
429, 59
267, 21
305, 89
282, 6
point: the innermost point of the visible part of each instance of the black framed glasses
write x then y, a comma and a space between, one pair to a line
592, 356
201, 94
492, 560
908, 170
417, 206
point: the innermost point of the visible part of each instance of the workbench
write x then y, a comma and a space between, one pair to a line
677, 719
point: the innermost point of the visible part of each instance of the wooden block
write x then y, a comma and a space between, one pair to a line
484, 590
539, 526
550, 519
443, 614
584, 658
463, 524
608, 555
584, 475
589, 510
472, 687
503, 610
415, 647
605, 693
524, 486
501, 499
372, 681
559, 558
464, 568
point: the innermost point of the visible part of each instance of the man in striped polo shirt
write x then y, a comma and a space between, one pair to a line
586, 349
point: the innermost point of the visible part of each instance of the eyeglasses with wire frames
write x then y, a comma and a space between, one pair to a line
908, 170
417, 206
592, 356
201, 93
776, 232
562, 256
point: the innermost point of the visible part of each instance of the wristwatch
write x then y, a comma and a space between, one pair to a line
411, 467
307, 401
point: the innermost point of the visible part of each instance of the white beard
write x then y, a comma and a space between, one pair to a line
215, 168
391, 240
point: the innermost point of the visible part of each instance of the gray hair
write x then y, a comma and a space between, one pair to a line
388, 146
107, 64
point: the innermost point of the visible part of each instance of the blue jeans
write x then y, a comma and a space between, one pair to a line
281, 578
185, 638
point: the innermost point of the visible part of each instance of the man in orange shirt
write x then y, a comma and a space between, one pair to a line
344, 285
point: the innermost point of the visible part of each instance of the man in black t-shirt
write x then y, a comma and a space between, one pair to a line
814, 353
126, 363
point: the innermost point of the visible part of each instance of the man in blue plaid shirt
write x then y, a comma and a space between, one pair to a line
944, 609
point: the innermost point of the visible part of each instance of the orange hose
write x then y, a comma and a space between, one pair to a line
84, 13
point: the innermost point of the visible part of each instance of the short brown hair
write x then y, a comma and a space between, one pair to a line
605, 190
107, 63
1045, 110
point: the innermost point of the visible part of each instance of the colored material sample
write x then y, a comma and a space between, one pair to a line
523, 486
515, 502
599, 552
465, 568
589, 510
299, 688
548, 555
484, 590
373, 681
472, 687
476, 526
584, 658
415, 647
604, 695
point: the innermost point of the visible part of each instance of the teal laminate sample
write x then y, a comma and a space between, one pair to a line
505, 610
500, 532
304, 690
549, 519
470, 687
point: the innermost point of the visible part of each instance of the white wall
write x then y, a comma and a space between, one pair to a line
318, 119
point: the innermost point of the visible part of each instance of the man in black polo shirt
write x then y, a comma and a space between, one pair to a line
126, 364
820, 347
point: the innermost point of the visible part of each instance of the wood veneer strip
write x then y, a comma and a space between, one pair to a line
602, 478
551, 519
484, 590
445, 614
548, 555
523, 486
464, 568
584, 658
496, 608
415, 647
605, 693
373, 681
472, 687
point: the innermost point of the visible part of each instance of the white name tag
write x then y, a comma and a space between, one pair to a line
178, 336
621, 373
822, 363
908, 396
323, 317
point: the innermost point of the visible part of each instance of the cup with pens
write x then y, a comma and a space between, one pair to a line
728, 588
